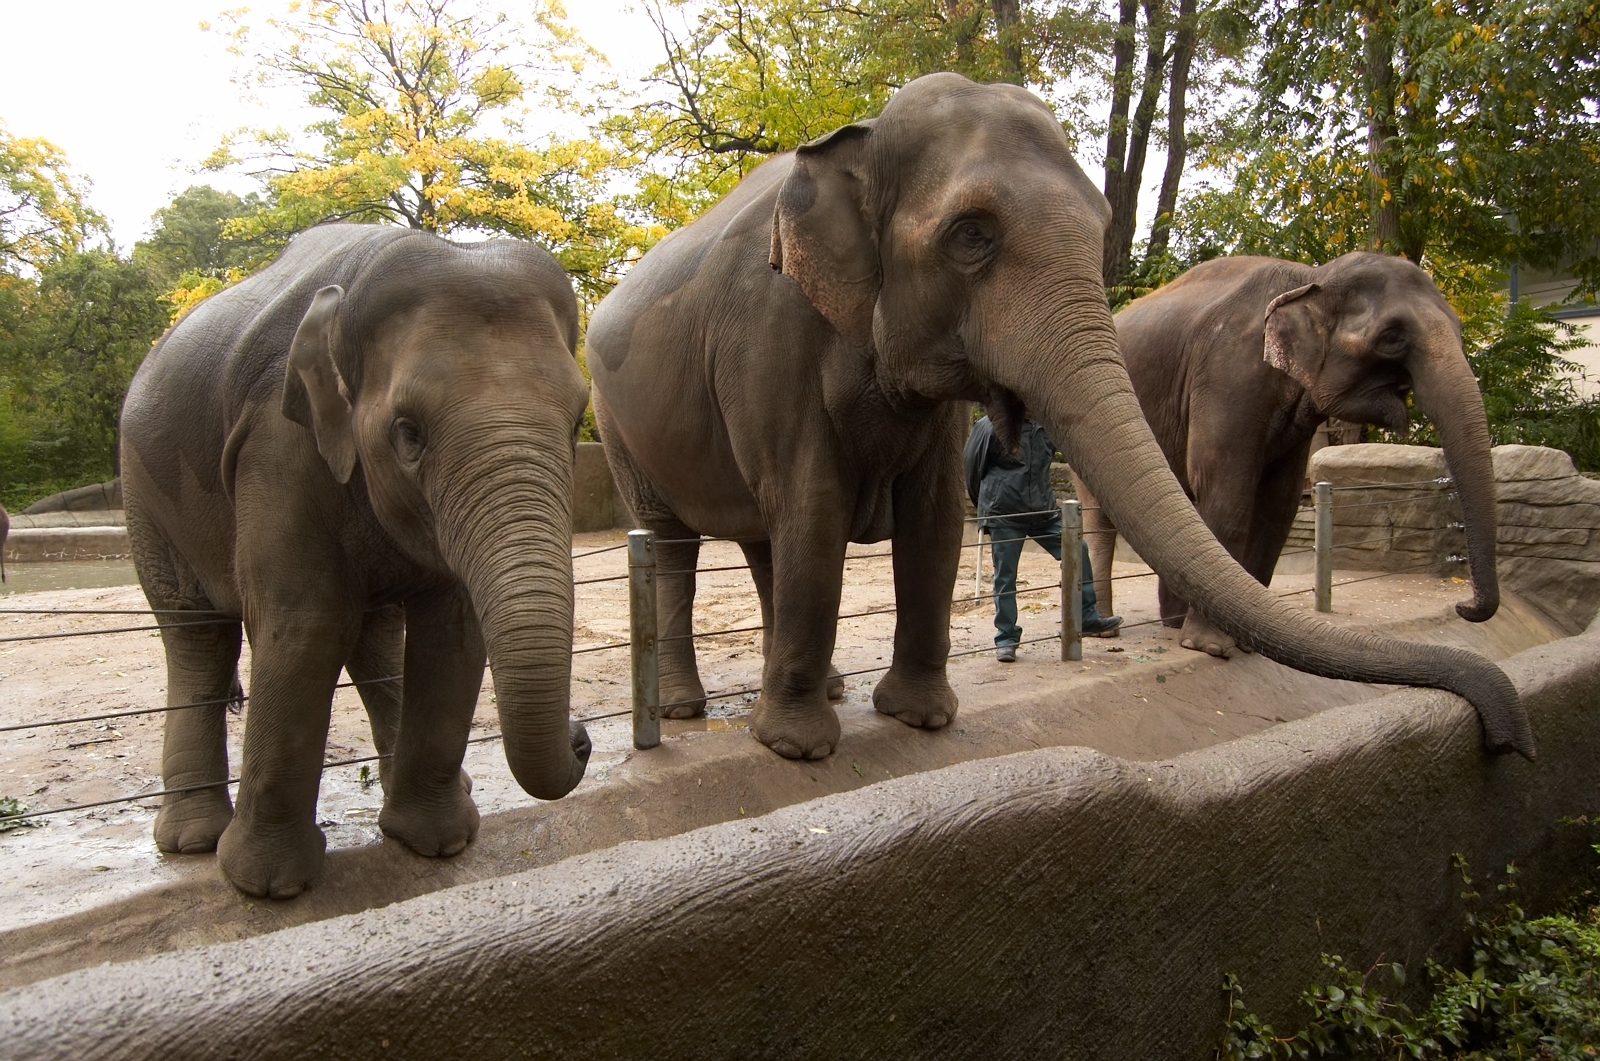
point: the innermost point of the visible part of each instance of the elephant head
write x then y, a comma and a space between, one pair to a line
446, 378
1366, 330
955, 240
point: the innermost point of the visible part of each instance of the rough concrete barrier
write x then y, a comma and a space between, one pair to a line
595, 505
34, 544
96, 497
1053, 903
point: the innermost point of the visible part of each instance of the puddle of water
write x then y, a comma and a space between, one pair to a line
77, 574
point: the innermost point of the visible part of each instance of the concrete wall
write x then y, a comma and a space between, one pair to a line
78, 525
595, 504
1054, 903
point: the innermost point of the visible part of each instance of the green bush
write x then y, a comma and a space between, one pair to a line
1533, 991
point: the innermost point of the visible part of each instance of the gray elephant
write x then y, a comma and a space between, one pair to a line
364, 452
791, 371
1237, 363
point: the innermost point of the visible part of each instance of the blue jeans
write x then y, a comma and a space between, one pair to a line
1006, 540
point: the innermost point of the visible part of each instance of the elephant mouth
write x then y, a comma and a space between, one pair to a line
1007, 413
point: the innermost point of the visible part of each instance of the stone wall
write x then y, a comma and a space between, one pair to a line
1548, 545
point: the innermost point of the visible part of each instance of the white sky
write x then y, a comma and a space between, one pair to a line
137, 94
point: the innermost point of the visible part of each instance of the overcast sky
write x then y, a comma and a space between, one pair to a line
137, 94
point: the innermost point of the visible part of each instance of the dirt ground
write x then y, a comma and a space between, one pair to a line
83, 859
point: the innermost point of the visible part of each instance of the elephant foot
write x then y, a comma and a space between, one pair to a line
1201, 636
191, 823
271, 865
835, 683
927, 702
796, 732
436, 828
682, 698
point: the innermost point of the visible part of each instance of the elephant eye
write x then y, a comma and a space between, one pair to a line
405, 434
1392, 341
972, 241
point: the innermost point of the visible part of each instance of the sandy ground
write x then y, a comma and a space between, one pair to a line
85, 858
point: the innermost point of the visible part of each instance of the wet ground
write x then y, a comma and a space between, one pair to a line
85, 859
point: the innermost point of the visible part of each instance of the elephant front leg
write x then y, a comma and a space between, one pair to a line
428, 805
273, 847
759, 556
1225, 496
927, 552
792, 716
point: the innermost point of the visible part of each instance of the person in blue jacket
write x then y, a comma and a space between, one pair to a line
1015, 503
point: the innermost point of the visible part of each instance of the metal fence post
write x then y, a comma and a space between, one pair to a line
1324, 546
642, 638
1071, 581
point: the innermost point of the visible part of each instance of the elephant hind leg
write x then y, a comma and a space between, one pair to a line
677, 555
203, 669
1100, 535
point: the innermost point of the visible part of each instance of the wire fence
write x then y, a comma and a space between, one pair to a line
645, 641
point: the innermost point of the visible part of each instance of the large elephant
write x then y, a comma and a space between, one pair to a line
1237, 363
787, 371
378, 421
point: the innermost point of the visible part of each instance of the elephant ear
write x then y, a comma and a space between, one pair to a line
1295, 335
820, 235
314, 394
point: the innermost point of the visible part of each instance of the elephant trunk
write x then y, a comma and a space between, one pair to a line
506, 531
1446, 390
1059, 354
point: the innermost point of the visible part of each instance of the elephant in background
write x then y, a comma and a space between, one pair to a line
1238, 362
364, 454
791, 371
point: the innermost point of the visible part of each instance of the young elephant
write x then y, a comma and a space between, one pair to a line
789, 371
1238, 361
379, 420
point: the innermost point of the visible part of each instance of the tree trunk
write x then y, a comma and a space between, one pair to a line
1177, 133
1008, 26
1123, 193
1382, 134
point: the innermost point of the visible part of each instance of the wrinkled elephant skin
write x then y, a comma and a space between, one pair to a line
790, 371
1238, 362
362, 455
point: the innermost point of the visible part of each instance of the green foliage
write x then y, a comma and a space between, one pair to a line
69, 344
187, 237
1533, 991
9, 809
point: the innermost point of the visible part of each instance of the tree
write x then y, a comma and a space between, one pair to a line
1470, 123
743, 80
69, 345
420, 102
42, 210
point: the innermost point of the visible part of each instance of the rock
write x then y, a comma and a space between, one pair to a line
1376, 462
1527, 463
